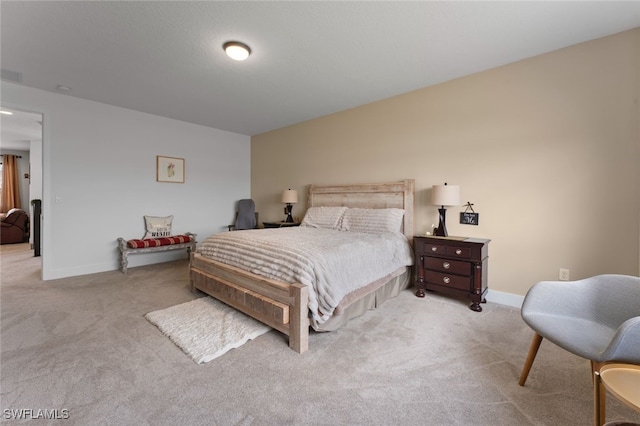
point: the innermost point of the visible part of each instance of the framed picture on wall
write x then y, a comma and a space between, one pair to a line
169, 169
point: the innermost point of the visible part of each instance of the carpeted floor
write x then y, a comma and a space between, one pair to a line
82, 344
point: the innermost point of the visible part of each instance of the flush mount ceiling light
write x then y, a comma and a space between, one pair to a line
6, 112
236, 50
63, 88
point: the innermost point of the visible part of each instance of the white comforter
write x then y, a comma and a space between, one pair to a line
331, 263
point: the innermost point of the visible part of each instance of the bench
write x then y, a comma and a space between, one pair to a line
155, 245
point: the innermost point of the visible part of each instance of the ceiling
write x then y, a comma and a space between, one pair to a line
19, 129
308, 58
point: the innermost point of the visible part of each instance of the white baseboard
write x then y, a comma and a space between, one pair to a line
503, 298
113, 265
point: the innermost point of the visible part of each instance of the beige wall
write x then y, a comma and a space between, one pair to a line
547, 149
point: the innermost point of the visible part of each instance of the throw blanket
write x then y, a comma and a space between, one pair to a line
331, 263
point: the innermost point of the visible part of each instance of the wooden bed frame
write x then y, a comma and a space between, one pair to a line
284, 306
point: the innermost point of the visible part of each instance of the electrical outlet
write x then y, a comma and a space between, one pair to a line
564, 274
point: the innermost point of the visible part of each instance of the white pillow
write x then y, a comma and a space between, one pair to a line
323, 217
373, 221
157, 227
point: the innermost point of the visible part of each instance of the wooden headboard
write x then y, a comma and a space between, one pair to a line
368, 196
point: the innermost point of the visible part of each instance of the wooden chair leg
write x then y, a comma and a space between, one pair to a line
533, 351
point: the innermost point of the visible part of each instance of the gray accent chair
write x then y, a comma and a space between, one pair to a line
246, 216
597, 318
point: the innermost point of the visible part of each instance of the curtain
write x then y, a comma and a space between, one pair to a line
10, 184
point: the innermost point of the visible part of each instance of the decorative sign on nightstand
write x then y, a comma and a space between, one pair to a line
469, 217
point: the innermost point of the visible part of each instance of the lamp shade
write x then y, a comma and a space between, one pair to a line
445, 195
290, 196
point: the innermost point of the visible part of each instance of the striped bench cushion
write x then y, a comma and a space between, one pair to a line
157, 242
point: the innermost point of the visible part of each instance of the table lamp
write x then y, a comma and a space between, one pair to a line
290, 197
444, 195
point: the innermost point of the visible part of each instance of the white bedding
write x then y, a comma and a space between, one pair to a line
331, 263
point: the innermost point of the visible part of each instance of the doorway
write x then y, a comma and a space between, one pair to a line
22, 136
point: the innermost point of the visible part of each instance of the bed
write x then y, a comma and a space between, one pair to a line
285, 305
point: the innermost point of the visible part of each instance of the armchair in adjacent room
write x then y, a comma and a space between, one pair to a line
15, 227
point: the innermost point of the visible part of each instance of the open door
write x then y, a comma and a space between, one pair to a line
22, 135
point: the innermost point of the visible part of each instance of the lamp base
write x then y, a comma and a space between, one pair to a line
287, 210
441, 231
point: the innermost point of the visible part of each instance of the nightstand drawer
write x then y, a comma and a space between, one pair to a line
449, 266
428, 249
448, 280
460, 252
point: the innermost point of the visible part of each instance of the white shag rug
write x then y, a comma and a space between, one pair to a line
206, 328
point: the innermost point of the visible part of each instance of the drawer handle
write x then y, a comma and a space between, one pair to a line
458, 251
446, 280
446, 265
434, 248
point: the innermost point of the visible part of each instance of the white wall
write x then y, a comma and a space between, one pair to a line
99, 161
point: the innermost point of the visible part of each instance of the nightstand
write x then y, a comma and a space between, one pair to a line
279, 224
456, 266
